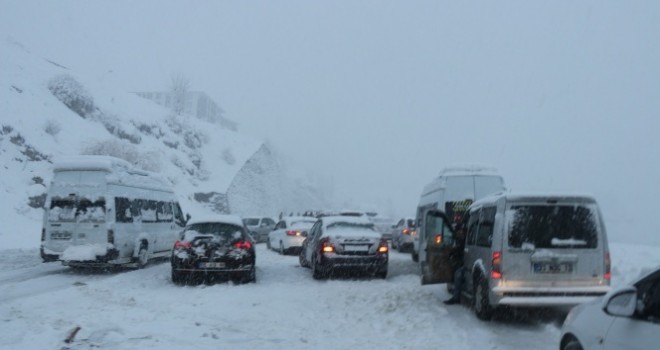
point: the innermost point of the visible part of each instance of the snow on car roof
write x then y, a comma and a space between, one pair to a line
535, 196
292, 219
469, 169
226, 219
360, 220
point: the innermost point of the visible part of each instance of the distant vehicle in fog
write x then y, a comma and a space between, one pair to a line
214, 248
628, 318
403, 233
344, 244
100, 211
383, 225
453, 191
259, 227
289, 234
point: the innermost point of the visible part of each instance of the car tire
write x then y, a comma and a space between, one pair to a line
251, 276
317, 274
482, 307
572, 345
394, 246
414, 256
177, 277
268, 244
301, 259
143, 256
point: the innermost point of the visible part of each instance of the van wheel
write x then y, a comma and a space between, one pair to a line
572, 345
482, 307
143, 257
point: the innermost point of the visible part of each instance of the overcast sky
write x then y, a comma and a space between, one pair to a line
381, 95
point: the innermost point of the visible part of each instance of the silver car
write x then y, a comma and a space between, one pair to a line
402, 235
626, 319
259, 227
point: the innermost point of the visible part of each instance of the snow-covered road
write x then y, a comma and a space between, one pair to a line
41, 303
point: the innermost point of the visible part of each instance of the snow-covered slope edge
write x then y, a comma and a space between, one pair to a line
47, 111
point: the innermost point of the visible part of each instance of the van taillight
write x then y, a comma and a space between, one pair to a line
111, 236
405, 231
496, 270
243, 245
608, 266
43, 234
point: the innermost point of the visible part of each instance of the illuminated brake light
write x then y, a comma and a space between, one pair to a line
496, 271
182, 245
608, 266
438, 239
405, 231
292, 233
382, 247
327, 247
243, 245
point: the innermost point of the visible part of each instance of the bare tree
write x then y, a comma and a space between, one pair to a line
180, 90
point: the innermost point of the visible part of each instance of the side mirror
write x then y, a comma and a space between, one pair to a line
621, 303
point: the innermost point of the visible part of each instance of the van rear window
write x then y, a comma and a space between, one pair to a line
552, 226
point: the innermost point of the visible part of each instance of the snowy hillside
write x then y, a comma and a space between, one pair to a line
47, 111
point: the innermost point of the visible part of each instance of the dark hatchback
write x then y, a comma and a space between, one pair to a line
217, 249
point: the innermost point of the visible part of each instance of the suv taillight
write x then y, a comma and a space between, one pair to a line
111, 236
243, 245
327, 247
382, 247
182, 245
293, 233
496, 270
608, 266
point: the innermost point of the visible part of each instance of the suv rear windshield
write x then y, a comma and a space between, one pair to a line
552, 226
223, 232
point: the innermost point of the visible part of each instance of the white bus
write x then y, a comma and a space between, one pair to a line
100, 211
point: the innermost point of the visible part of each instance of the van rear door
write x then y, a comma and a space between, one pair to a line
553, 242
437, 241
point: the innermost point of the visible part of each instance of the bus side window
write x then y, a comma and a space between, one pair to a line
123, 210
164, 212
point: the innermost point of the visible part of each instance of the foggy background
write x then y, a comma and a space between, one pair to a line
376, 97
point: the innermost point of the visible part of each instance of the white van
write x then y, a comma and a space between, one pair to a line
100, 211
452, 192
528, 250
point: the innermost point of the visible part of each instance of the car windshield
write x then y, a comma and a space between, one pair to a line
222, 231
251, 222
552, 226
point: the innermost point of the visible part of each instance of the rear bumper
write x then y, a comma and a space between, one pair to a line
192, 266
352, 262
110, 258
556, 296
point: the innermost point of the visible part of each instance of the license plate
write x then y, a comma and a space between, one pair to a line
356, 248
553, 268
212, 265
